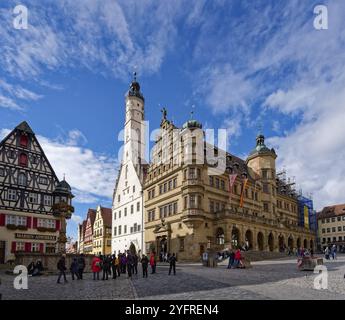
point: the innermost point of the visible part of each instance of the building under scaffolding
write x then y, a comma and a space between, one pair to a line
306, 213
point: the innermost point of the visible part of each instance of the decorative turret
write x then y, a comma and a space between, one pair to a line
134, 89
261, 148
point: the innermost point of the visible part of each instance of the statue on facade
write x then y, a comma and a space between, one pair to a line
164, 113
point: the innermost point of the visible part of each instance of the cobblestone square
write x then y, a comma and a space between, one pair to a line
275, 279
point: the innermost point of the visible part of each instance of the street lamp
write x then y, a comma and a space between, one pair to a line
63, 209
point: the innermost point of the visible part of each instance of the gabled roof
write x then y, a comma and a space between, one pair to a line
24, 126
106, 216
91, 213
332, 211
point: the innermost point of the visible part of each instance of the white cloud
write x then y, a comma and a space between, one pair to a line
77, 219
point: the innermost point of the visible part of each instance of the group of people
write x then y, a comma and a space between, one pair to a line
331, 252
35, 268
235, 259
112, 265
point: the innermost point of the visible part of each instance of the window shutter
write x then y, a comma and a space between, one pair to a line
57, 225
2, 219
13, 249
41, 247
28, 222
27, 247
35, 223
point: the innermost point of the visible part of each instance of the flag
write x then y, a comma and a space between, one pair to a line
244, 184
232, 178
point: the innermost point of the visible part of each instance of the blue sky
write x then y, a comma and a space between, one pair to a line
240, 63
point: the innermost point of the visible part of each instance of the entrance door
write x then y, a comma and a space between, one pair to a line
2, 252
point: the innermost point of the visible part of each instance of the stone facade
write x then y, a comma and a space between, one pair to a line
188, 207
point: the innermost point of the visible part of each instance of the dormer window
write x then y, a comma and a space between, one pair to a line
23, 141
23, 160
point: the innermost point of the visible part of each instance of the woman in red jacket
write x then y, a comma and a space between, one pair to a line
153, 262
238, 258
96, 267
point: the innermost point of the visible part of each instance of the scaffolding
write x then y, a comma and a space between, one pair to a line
306, 212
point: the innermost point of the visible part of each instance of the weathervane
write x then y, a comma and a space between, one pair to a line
192, 112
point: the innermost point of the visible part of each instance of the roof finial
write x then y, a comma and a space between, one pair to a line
135, 74
64, 177
192, 112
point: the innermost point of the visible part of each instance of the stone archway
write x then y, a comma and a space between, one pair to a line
235, 237
260, 241
290, 242
270, 242
281, 243
249, 239
299, 243
220, 237
305, 244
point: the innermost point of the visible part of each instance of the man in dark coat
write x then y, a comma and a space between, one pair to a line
130, 264
113, 265
106, 267
172, 263
81, 266
61, 266
145, 265
135, 266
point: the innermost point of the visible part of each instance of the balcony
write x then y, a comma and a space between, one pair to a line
190, 183
193, 217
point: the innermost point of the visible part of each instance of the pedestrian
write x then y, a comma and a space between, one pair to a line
105, 267
61, 266
113, 265
334, 252
238, 257
327, 253
153, 262
123, 263
74, 269
144, 264
231, 259
172, 263
118, 265
96, 267
81, 266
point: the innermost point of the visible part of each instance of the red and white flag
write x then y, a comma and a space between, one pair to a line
232, 179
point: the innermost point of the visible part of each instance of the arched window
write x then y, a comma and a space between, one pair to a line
23, 140
22, 179
220, 236
23, 159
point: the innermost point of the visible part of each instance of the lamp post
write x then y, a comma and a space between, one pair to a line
62, 209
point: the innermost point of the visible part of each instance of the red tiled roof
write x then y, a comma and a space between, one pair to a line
106, 216
331, 211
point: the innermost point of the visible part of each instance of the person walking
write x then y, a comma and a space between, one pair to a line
61, 266
81, 266
231, 259
74, 269
105, 267
144, 264
118, 265
237, 258
130, 264
334, 252
172, 262
96, 267
153, 262
123, 263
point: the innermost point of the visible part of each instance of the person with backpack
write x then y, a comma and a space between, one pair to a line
81, 266
172, 262
144, 264
61, 266
96, 266
74, 269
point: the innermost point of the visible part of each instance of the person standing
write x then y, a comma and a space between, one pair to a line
105, 267
153, 263
231, 259
96, 267
172, 262
74, 269
144, 264
81, 266
118, 265
61, 266
130, 264
237, 258
334, 252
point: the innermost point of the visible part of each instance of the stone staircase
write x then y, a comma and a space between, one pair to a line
252, 255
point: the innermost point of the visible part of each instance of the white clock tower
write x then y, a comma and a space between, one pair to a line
128, 206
